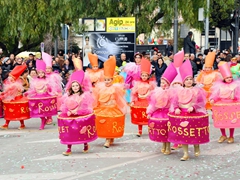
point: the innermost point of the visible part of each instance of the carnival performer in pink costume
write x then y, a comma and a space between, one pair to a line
225, 94
188, 114
158, 109
139, 96
133, 71
77, 106
55, 78
40, 88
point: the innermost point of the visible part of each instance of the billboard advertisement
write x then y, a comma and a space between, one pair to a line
104, 44
121, 24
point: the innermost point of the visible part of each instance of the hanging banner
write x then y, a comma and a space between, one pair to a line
104, 44
121, 24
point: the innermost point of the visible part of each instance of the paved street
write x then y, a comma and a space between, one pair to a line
31, 154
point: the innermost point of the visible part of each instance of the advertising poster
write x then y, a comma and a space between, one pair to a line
104, 44
121, 24
100, 25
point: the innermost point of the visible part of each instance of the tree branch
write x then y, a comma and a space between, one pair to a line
29, 46
157, 17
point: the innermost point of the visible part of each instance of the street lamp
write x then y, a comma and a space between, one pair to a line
175, 45
235, 46
207, 25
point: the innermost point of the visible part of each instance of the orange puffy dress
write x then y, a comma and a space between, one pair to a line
110, 109
207, 79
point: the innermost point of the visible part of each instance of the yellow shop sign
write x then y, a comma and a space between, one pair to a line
121, 24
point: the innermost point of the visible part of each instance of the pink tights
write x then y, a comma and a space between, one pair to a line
223, 131
69, 146
43, 123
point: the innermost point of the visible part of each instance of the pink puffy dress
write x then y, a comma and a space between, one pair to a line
133, 74
226, 92
188, 128
226, 105
78, 127
158, 110
42, 98
56, 85
40, 87
78, 105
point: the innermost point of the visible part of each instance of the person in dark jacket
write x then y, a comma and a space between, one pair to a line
123, 58
193, 50
6, 66
169, 48
160, 67
199, 64
67, 66
188, 45
56, 68
194, 65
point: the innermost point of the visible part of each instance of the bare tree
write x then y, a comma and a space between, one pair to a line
49, 43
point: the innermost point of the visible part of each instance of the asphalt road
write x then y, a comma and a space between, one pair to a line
32, 154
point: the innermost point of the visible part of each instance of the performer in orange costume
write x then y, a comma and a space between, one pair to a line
208, 76
95, 74
110, 105
117, 78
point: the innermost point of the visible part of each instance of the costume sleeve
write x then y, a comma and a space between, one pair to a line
50, 90
11, 90
120, 97
152, 101
128, 81
200, 102
215, 89
173, 98
31, 91
153, 84
86, 84
237, 90
134, 92
63, 106
218, 76
55, 81
86, 104
101, 79
132, 70
95, 93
